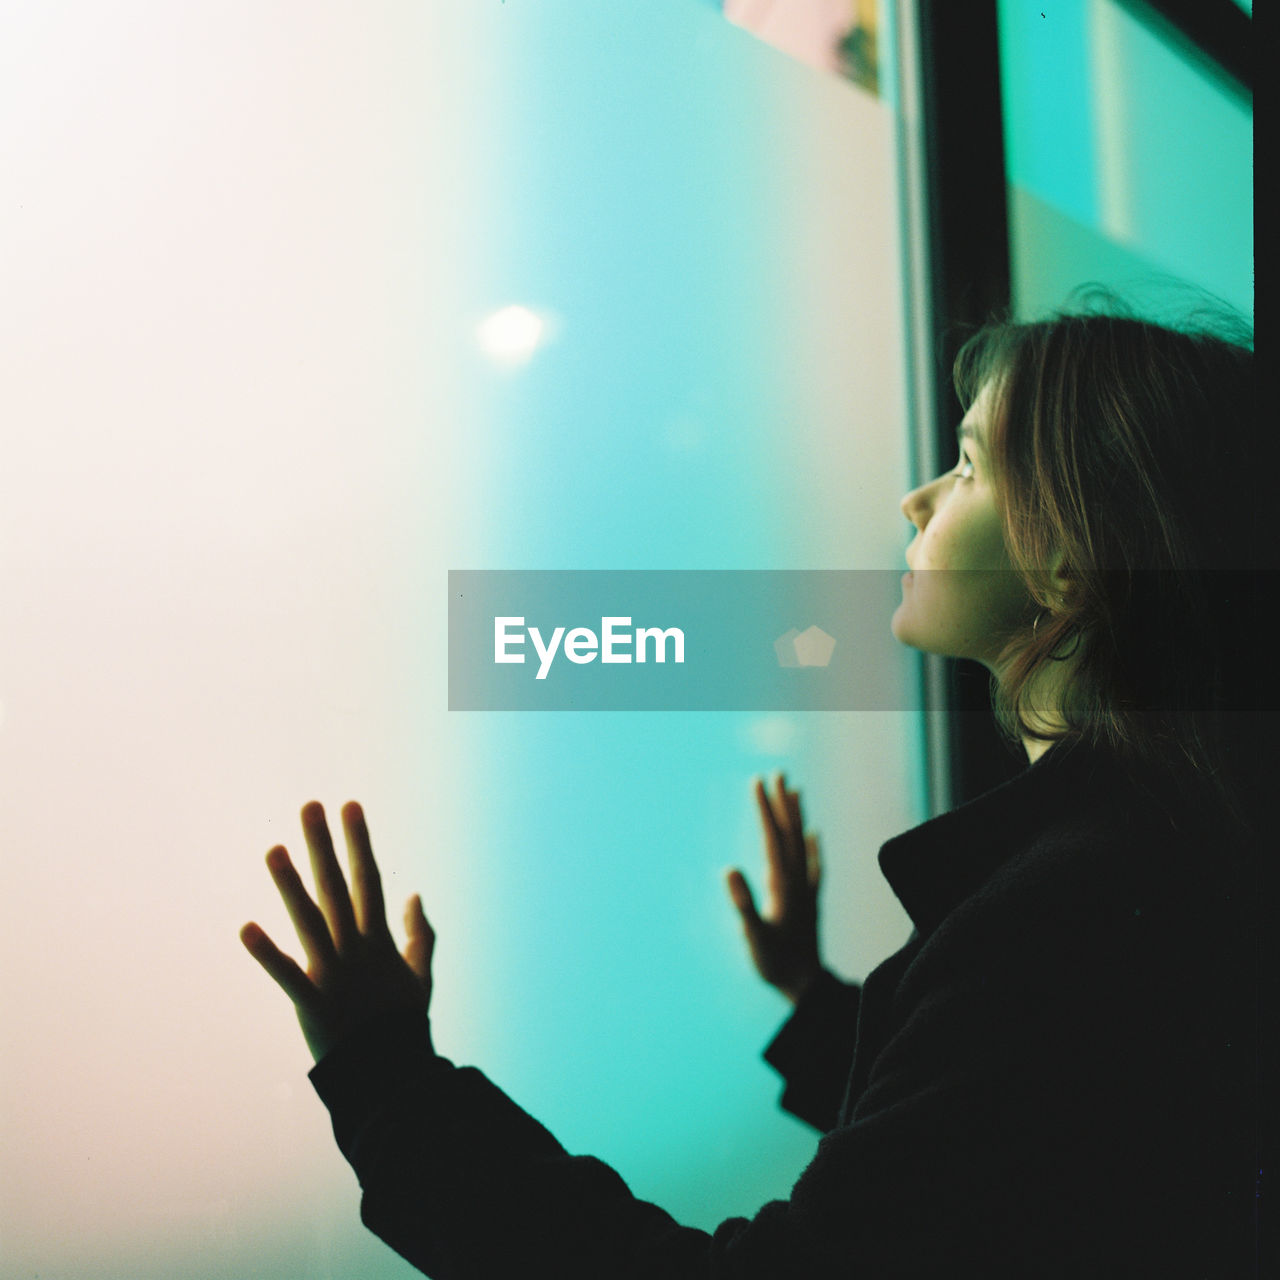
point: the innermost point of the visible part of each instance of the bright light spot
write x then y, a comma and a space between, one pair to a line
510, 336
771, 735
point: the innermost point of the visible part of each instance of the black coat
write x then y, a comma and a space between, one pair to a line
1053, 1078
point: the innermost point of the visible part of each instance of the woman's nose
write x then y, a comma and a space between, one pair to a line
917, 507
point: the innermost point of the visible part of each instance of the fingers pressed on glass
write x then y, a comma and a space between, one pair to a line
794, 840
331, 884
422, 939
783, 814
415, 919
740, 893
774, 838
790, 827
814, 860
283, 969
766, 811
308, 919
793, 813
366, 880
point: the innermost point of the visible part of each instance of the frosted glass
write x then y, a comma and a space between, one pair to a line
264, 386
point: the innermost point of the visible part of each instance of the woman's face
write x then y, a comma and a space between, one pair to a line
963, 596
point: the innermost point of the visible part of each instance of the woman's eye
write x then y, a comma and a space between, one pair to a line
965, 468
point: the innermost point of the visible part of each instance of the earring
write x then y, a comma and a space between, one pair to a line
1062, 604
1071, 653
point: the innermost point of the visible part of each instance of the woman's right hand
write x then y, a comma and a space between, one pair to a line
784, 941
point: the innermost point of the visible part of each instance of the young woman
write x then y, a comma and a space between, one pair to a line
1055, 1076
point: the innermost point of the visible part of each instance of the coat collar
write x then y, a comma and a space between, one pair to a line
933, 867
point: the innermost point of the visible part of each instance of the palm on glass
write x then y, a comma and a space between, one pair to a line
354, 971
784, 940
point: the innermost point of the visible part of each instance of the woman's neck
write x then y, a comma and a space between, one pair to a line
1046, 695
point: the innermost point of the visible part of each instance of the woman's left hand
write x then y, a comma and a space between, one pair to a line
354, 971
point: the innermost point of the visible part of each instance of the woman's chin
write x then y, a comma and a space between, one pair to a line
901, 628
906, 631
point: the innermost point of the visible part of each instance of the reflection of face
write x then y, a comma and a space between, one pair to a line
963, 597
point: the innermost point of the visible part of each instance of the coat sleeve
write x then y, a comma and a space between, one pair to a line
467, 1186
464, 1184
814, 1051
1014, 1120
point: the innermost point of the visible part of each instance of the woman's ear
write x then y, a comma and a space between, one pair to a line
1060, 580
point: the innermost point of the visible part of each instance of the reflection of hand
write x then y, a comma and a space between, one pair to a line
354, 971
783, 943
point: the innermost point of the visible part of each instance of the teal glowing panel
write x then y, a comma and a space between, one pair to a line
1129, 160
309, 305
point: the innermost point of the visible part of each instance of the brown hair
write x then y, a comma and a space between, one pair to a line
1122, 453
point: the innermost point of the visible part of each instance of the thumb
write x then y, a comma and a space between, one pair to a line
422, 939
740, 893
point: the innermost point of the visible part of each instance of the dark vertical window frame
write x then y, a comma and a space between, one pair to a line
968, 222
